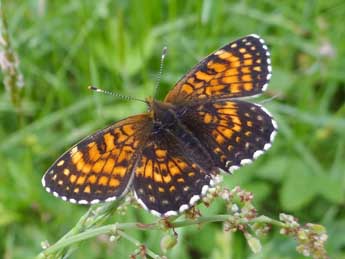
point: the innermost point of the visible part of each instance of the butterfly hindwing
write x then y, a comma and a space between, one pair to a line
99, 168
239, 69
173, 173
234, 132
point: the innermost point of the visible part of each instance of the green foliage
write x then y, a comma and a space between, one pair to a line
64, 46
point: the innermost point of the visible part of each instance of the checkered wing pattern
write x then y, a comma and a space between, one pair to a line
234, 132
239, 69
173, 173
99, 168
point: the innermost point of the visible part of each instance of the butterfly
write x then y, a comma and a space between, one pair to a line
170, 156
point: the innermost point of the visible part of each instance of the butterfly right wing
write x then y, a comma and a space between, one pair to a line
100, 167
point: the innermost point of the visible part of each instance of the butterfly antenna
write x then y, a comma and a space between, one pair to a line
164, 52
96, 89
270, 99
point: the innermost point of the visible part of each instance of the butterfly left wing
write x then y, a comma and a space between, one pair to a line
234, 132
239, 69
100, 167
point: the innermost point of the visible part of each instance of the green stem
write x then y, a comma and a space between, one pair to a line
93, 217
71, 238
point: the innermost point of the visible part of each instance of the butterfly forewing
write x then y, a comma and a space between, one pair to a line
239, 69
99, 168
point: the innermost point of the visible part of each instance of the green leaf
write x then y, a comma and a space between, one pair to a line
330, 188
298, 189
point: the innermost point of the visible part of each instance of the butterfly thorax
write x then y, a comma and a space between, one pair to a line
162, 113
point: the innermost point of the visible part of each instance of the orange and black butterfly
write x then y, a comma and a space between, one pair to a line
169, 156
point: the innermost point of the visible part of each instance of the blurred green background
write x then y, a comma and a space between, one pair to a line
64, 46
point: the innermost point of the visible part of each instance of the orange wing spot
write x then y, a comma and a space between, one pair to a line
180, 180
230, 72
60, 182
160, 189
161, 153
249, 123
66, 171
217, 150
109, 165
248, 86
238, 139
257, 68
120, 170
80, 164
172, 188
248, 133
203, 76
92, 179
248, 62
187, 88
72, 178
247, 55
245, 70
103, 180
217, 66
94, 154
237, 128
230, 79
207, 118
253, 48
87, 189
157, 177
167, 178
149, 169
81, 180
128, 129
236, 64
76, 190
76, 156
86, 168
109, 141
258, 61
98, 166
246, 78
242, 50
191, 174
114, 182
